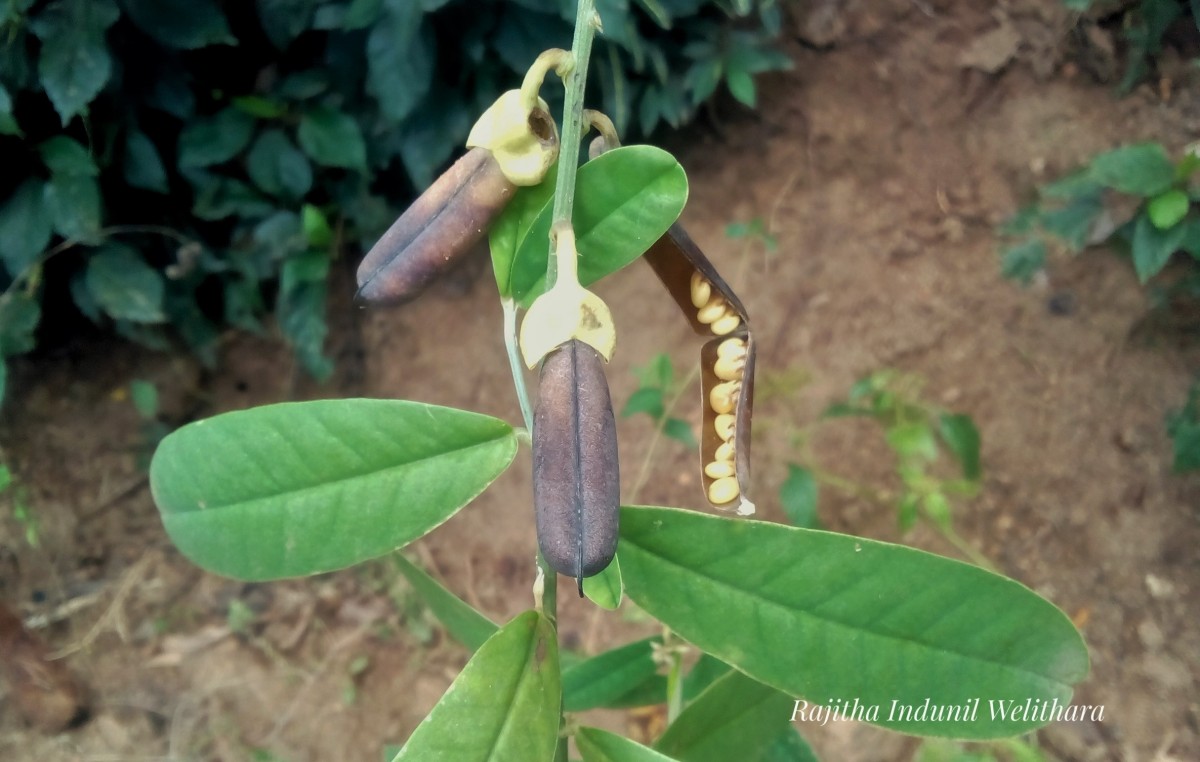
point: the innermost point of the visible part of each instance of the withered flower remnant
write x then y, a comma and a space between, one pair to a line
576, 477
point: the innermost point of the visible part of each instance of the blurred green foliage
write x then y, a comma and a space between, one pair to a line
176, 167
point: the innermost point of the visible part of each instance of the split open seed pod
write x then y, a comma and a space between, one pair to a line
511, 145
576, 476
726, 365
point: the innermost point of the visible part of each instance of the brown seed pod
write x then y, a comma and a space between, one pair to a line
576, 478
44, 691
444, 222
457, 210
726, 365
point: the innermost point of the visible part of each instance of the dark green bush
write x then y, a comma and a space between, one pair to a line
173, 167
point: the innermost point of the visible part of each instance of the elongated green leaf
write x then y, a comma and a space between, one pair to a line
332, 139
735, 718
607, 679
143, 166
64, 156
601, 746
798, 495
25, 226
294, 489
1152, 248
833, 617
1142, 169
504, 704
74, 204
125, 286
216, 138
510, 228
401, 52
185, 24
466, 624
605, 589
74, 64
961, 436
707, 670
624, 201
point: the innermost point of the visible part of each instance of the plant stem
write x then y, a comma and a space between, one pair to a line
572, 127
514, 361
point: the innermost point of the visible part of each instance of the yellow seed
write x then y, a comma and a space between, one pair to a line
735, 348
723, 397
724, 426
713, 311
729, 369
718, 469
727, 324
701, 290
723, 491
725, 452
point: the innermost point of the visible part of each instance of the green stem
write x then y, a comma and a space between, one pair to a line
514, 361
674, 682
572, 128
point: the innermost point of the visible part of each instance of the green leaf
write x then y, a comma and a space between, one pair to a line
19, 318
466, 624
124, 285
624, 201
798, 495
8, 124
25, 226
300, 309
1142, 169
361, 14
607, 679
913, 440
601, 746
214, 139
285, 20
1152, 248
681, 431
300, 488
706, 671
145, 397
317, 232
961, 436
278, 167
74, 64
879, 622
1168, 209
1185, 441
183, 24
513, 224
736, 717
1023, 261
645, 400
400, 56
790, 747
259, 107
1074, 185
63, 156
605, 589
74, 205
741, 86
332, 139
504, 704
1073, 222
143, 166
937, 508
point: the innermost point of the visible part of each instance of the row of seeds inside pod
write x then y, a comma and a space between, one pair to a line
723, 398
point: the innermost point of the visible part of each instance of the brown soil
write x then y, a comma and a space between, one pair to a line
882, 166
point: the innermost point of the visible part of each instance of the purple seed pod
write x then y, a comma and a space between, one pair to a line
576, 477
